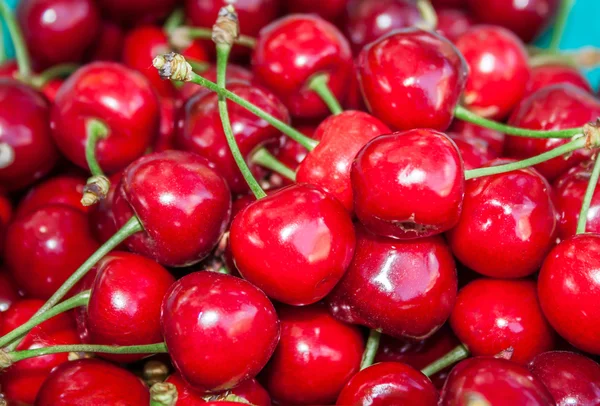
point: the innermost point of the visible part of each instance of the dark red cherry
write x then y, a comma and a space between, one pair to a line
332, 10
341, 137
169, 115
548, 75
394, 79
401, 288
508, 224
292, 50
491, 315
6, 214
108, 45
571, 379
101, 216
474, 153
474, 133
58, 31
220, 329
408, 184
388, 383
294, 244
137, 11
568, 287
315, 357
45, 247
200, 129
87, 382
9, 292
526, 19
27, 151
556, 107
498, 70
117, 96
453, 22
493, 381
291, 153
459, 4
62, 189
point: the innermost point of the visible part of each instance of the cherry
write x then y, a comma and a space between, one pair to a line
183, 205
388, 383
546, 75
9, 69
474, 153
92, 382
491, 315
101, 216
169, 115
552, 108
294, 244
136, 11
332, 10
58, 31
408, 184
315, 357
415, 72
459, 4
45, 247
6, 214
508, 224
452, 22
108, 44
401, 288
51, 88
62, 189
474, 133
570, 378
568, 288
27, 152
220, 330
117, 96
290, 152
341, 137
495, 382
9, 293
498, 70
292, 50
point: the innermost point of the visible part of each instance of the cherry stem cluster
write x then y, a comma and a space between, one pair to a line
16, 36
456, 354
370, 349
587, 198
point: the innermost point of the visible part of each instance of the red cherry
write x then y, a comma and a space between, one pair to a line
315, 357
555, 107
169, 115
182, 203
388, 383
27, 152
408, 184
498, 70
62, 189
568, 288
401, 288
220, 330
570, 378
495, 382
8, 69
474, 153
450, 3
295, 244
548, 75
416, 72
332, 10
45, 247
119, 97
290, 152
101, 216
136, 11
491, 315
6, 214
292, 50
508, 224
87, 382
453, 22
474, 133
108, 44
9, 292
58, 31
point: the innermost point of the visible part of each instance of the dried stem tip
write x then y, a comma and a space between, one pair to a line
591, 131
5, 360
180, 38
173, 66
96, 189
227, 28
164, 393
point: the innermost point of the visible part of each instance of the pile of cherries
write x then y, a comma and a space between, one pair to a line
297, 202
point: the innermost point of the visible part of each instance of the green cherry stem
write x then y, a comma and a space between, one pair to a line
98, 185
456, 354
206, 33
163, 394
561, 23
587, 198
319, 84
265, 159
370, 349
3, 55
428, 14
57, 71
175, 20
16, 36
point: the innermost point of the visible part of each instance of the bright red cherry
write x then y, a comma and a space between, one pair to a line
474, 133
183, 204
491, 315
62, 189
87, 382
220, 330
117, 96
58, 31
408, 184
555, 107
341, 137
453, 22
474, 153
315, 357
493, 381
292, 50
9, 69
415, 72
108, 45
508, 224
332, 10
498, 70
571, 378
547, 75
45, 247
401, 288
294, 244
568, 287
27, 151
137, 11
101, 217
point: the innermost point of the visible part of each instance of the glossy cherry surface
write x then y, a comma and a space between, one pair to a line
62, 189
568, 287
220, 330
294, 244
492, 315
476, 134
183, 204
408, 184
508, 224
453, 22
474, 153
291, 50
315, 357
498, 70
120, 98
137, 11
412, 79
547, 75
